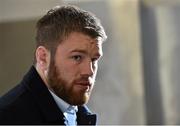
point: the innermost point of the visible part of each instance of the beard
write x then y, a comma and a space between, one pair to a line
66, 90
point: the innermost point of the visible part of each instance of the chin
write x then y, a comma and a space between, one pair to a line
80, 99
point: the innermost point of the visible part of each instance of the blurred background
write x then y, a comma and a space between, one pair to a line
138, 77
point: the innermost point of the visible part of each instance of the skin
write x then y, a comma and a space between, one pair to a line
72, 71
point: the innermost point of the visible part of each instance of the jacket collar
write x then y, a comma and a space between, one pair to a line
42, 96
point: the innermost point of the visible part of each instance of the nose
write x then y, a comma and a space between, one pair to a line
87, 69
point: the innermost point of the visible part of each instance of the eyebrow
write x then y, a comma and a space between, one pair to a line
83, 51
79, 50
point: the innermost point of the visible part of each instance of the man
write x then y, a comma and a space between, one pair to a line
59, 84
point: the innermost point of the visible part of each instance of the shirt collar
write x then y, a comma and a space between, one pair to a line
63, 106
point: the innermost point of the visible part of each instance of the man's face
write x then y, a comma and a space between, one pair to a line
73, 70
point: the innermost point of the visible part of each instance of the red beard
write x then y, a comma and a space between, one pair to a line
74, 93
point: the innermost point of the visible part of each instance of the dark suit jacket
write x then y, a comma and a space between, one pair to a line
30, 102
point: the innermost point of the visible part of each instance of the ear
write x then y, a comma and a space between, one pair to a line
42, 58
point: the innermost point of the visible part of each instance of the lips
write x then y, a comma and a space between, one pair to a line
83, 85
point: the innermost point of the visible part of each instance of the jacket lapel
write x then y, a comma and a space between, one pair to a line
85, 117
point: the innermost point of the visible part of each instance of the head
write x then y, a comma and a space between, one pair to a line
69, 45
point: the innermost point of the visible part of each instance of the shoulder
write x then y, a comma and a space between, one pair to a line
19, 107
18, 99
16, 106
13, 97
21, 94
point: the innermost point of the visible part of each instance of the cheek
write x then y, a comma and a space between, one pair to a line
68, 71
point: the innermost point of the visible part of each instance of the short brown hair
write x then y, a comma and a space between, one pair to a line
60, 21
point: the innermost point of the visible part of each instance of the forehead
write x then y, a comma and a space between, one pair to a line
80, 41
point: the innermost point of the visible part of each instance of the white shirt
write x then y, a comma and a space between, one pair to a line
68, 110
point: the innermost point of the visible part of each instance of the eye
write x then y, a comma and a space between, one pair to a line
77, 57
